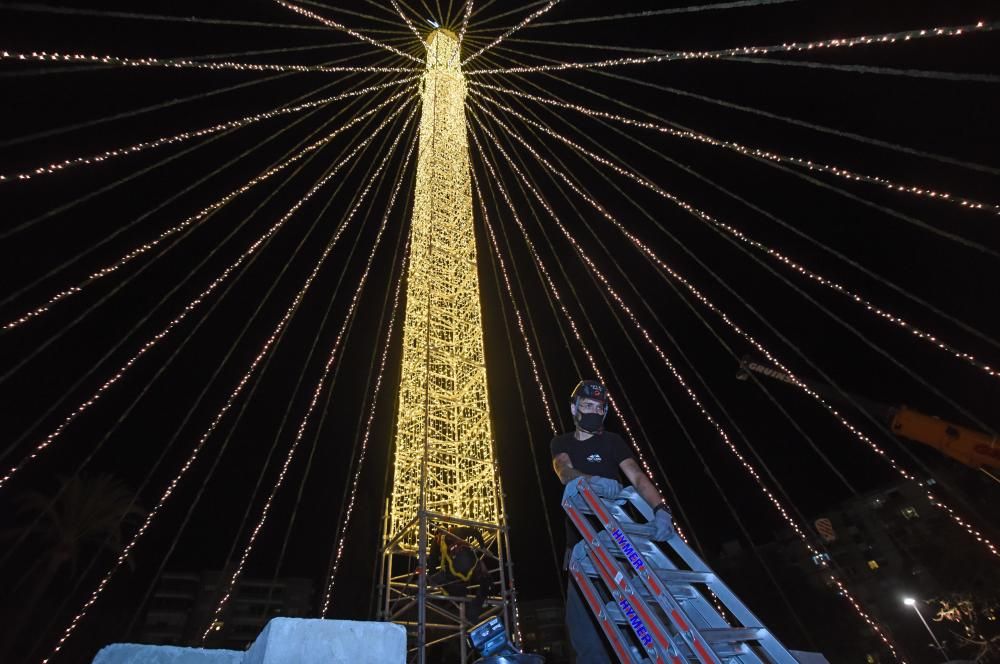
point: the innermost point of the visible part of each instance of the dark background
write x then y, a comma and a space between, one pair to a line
957, 119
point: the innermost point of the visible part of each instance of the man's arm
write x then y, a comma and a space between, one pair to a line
564, 468
641, 482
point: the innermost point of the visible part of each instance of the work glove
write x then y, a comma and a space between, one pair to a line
572, 488
663, 528
605, 487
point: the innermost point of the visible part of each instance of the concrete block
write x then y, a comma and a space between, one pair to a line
304, 640
133, 653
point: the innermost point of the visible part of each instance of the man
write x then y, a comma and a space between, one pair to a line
459, 567
600, 456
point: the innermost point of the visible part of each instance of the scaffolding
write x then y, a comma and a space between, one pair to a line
445, 472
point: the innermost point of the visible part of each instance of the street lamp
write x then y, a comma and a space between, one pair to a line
909, 601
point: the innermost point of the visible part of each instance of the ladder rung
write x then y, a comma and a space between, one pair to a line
673, 576
733, 634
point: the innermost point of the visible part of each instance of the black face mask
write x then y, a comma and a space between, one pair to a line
590, 422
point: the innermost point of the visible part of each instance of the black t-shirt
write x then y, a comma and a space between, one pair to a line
598, 455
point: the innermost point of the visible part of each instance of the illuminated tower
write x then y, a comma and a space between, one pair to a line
445, 474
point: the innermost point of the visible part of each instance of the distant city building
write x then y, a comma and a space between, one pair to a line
543, 629
884, 546
183, 604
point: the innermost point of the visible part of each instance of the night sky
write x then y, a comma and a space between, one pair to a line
57, 229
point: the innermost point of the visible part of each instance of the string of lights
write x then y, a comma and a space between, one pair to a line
406, 19
150, 517
517, 313
692, 443
565, 311
861, 138
844, 42
62, 208
868, 69
133, 275
498, 257
723, 434
158, 106
963, 523
193, 304
465, 22
715, 6
352, 12
898, 320
346, 519
585, 45
524, 22
345, 262
665, 330
746, 150
337, 26
930, 386
533, 448
79, 68
496, 17
202, 214
58, 166
519, 283
105, 14
797, 173
608, 362
206, 388
43, 56
265, 511
545, 277
162, 368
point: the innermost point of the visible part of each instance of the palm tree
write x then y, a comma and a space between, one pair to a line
85, 511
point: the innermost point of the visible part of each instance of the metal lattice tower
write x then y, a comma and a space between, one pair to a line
445, 473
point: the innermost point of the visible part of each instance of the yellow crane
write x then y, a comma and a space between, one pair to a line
975, 449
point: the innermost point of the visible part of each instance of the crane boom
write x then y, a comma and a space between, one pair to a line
972, 448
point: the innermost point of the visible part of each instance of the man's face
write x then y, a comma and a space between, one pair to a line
586, 406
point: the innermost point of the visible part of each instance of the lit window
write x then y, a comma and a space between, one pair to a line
821, 559
909, 512
872, 565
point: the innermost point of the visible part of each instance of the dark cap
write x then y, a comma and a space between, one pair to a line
590, 389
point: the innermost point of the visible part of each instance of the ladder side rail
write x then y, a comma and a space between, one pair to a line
775, 650
607, 623
703, 614
649, 629
687, 630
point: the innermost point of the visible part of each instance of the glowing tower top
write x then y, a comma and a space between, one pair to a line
444, 461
